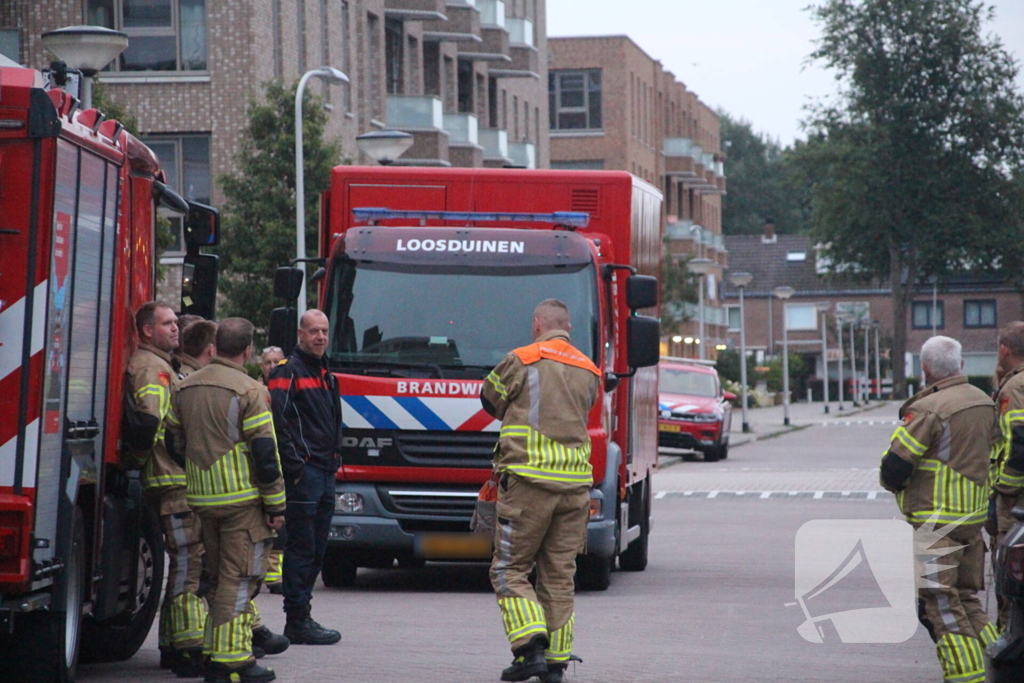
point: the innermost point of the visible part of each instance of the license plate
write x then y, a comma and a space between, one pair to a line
453, 546
669, 428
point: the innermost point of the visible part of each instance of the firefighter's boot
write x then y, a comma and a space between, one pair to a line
266, 642
300, 629
253, 673
529, 661
556, 670
188, 663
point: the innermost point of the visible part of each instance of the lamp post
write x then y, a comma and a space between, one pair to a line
699, 251
853, 363
85, 50
740, 281
384, 146
839, 329
875, 324
867, 359
331, 75
783, 293
700, 267
823, 307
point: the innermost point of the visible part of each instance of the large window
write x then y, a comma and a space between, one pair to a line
575, 100
186, 161
921, 315
733, 316
163, 35
980, 313
801, 317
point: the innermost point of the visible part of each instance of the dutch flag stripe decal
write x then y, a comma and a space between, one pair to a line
427, 417
370, 412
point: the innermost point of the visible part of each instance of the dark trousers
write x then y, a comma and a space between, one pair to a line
308, 518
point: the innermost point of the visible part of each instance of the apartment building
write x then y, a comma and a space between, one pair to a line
465, 77
613, 106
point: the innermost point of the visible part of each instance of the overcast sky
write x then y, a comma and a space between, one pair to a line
746, 56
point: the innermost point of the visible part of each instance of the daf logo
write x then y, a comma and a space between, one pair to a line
365, 442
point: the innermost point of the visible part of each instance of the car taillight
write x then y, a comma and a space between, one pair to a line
1014, 562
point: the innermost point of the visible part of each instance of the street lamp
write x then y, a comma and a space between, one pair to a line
384, 146
331, 75
86, 50
699, 251
855, 389
839, 329
783, 293
823, 307
875, 324
740, 281
867, 359
701, 267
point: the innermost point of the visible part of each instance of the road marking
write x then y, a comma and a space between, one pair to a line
713, 494
766, 495
818, 495
872, 494
659, 495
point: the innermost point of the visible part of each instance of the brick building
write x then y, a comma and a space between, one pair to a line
969, 309
613, 106
465, 77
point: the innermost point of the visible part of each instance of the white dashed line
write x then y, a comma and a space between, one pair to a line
659, 495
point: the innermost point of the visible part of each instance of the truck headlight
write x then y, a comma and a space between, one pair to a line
348, 503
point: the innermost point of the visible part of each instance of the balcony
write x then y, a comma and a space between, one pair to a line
492, 13
681, 158
523, 154
463, 129
520, 32
495, 144
415, 10
492, 46
463, 25
414, 112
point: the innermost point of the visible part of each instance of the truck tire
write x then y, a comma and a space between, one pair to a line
120, 637
593, 573
635, 557
337, 571
44, 646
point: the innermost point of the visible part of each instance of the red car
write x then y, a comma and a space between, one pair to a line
694, 412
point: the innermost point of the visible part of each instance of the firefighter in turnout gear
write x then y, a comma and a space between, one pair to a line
222, 423
149, 383
542, 393
937, 465
269, 359
1008, 455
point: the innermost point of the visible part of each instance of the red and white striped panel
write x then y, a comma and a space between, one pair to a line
12, 330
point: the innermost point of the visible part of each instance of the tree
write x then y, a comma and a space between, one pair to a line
678, 286
258, 232
760, 184
915, 167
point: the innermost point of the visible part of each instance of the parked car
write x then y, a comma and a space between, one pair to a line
1006, 655
694, 412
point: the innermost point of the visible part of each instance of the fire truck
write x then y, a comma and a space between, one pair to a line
81, 557
431, 277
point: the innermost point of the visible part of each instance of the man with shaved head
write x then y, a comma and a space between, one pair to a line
543, 394
307, 418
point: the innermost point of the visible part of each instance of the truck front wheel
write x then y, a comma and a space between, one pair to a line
338, 571
594, 573
635, 557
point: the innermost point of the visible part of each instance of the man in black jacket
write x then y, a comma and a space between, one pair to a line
307, 418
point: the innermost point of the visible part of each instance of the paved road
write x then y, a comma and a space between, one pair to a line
710, 607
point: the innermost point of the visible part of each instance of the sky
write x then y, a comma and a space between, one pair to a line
745, 56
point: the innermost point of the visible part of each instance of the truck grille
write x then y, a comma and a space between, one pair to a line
448, 503
447, 449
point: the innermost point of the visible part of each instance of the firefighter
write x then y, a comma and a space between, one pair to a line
1008, 455
542, 393
149, 382
222, 423
937, 465
269, 359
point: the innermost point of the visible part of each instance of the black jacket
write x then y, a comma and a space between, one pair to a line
307, 413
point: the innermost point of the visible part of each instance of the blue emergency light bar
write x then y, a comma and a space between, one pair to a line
576, 219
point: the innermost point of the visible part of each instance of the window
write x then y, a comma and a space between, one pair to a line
346, 64
10, 44
921, 315
796, 256
574, 98
580, 165
393, 56
980, 313
801, 317
186, 161
733, 313
163, 35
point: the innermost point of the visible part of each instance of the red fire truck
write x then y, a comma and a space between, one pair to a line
81, 558
432, 277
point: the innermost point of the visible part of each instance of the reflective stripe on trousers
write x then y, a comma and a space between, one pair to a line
962, 659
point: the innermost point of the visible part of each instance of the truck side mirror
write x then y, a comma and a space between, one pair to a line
288, 284
202, 226
643, 337
641, 291
199, 285
283, 325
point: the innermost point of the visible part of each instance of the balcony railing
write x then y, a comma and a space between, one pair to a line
406, 111
492, 13
523, 154
495, 143
520, 31
720, 169
682, 147
462, 129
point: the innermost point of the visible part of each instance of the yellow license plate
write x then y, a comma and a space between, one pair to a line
669, 428
453, 546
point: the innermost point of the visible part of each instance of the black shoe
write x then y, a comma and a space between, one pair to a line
253, 673
268, 642
555, 673
529, 661
166, 658
188, 663
300, 629
276, 588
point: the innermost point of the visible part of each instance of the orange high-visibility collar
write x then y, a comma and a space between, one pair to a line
557, 350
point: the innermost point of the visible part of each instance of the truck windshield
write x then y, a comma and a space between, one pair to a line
389, 319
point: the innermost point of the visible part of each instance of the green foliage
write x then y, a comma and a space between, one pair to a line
729, 367
678, 285
259, 211
113, 109
915, 169
761, 184
798, 370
